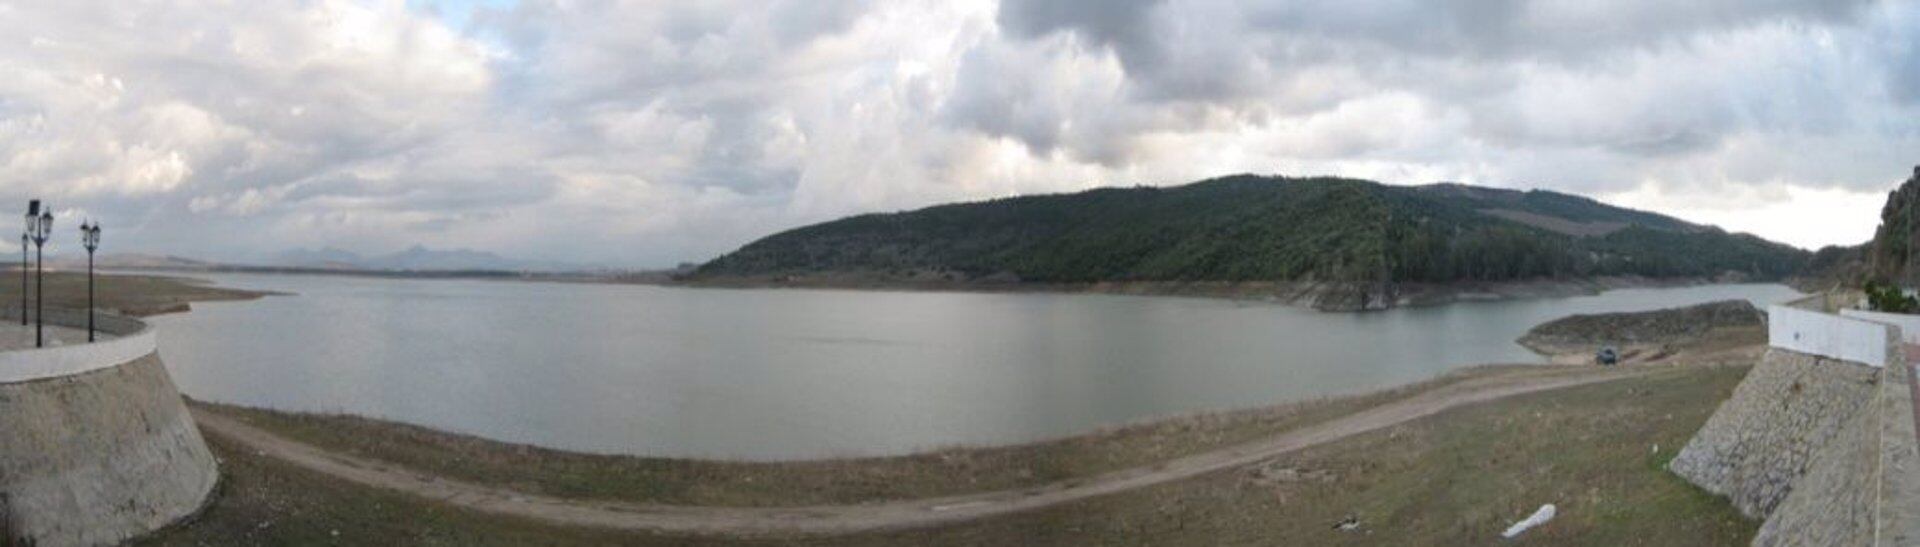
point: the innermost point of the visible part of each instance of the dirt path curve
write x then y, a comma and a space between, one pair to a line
893, 515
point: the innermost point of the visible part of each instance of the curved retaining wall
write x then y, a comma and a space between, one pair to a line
96, 446
128, 339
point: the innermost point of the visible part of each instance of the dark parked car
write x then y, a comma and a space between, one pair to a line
1607, 356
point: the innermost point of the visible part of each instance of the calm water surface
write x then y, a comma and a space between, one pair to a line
797, 374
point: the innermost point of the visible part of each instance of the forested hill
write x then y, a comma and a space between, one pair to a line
1248, 228
1894, 254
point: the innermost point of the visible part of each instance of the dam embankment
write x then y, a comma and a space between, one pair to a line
96, 446
1819, 441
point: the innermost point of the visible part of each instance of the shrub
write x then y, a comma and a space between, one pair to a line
1890, 299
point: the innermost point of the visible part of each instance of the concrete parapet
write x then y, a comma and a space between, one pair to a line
100, 456
126, 339
1827, 335
1909, 324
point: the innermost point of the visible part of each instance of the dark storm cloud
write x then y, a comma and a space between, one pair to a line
1506, 29
797, 23
1494, 61
1109, 22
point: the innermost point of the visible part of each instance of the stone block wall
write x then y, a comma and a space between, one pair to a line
1827, 452
1765, 436
1834, 501
1864, 486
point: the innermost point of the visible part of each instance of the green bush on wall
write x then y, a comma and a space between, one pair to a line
1890, 299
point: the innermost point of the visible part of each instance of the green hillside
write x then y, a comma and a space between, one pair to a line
1248, 228
1894, 254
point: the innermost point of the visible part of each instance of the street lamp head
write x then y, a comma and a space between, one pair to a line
33, 215
46, 227
90, 235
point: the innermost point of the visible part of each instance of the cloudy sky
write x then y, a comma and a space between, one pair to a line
654, 131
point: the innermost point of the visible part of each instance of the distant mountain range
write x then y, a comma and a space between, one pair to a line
1358, 242
127, 261
416, 259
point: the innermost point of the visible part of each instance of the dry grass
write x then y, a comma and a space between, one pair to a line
137, 295
1457, 478
262, 501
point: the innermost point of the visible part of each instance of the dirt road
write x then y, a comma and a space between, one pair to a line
895, 515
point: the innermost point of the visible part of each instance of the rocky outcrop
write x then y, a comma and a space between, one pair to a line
1894, 255
1669, 327
1355, 296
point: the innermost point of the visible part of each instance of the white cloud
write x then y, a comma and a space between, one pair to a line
653, 132
1808, 218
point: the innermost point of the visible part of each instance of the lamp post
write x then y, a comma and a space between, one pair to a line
90, 238
33, 217
42, 229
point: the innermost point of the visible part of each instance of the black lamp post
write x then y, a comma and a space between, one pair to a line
90, 238
33, 217
42, 229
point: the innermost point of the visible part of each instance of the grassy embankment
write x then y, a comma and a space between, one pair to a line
1459, 477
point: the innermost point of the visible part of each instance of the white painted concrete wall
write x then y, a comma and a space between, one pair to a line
1828, 335
35, 364
1909, 324
41, 363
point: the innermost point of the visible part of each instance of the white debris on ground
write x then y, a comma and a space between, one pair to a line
1348, 524
1278, 472
1539, 517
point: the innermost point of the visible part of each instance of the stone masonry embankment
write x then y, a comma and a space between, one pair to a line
97, 456
1765, 436
1823, 449
1860, 488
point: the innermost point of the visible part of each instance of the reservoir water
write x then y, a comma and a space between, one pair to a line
801, 374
